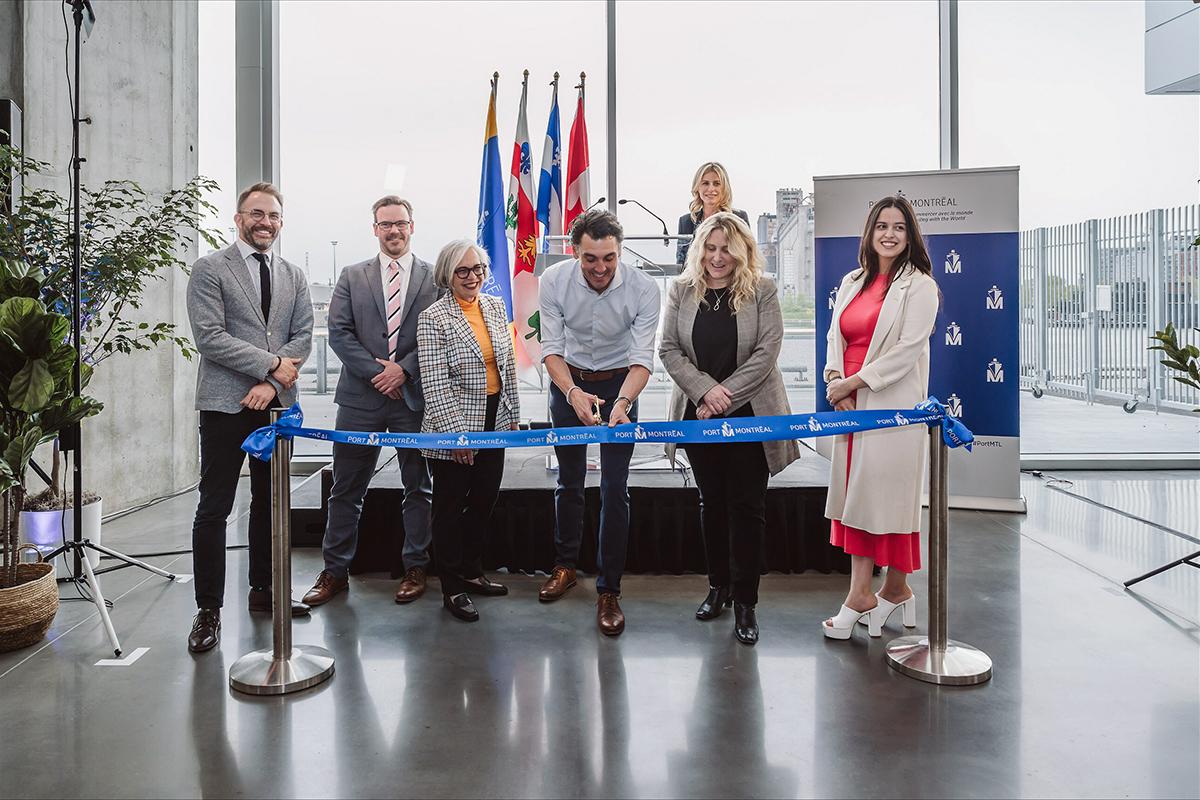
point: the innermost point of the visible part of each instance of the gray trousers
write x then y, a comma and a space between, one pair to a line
353, 466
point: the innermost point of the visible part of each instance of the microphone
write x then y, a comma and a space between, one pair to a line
598, 202
623, 201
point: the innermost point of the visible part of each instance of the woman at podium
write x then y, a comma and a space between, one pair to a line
722, 331
878, 358
711, 194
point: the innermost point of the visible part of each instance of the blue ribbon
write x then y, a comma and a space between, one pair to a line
261, 443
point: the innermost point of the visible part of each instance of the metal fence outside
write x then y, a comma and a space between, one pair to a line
1092, 295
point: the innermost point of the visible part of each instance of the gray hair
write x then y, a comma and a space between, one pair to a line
447, 260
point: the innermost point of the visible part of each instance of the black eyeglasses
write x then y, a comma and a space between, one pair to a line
479, 270
402, 225
259, 216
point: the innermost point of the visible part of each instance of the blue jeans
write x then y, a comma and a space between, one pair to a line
614, 489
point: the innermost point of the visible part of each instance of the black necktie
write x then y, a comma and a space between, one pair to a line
264, 280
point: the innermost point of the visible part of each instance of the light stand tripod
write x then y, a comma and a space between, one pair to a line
72, 439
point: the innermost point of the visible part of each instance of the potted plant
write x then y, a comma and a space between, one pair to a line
36, 402
128, 238
1184, 358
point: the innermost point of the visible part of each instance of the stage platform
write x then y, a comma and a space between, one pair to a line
664, 535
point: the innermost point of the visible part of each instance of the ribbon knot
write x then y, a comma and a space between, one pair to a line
261, 443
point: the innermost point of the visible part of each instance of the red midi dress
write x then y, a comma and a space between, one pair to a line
899, 550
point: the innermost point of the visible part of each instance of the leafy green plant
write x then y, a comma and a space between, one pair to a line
1179, 357
128, 238
37, 400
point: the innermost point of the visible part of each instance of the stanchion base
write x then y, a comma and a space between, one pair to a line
960, 664
260, 673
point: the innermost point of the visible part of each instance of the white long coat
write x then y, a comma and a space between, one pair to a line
883, 493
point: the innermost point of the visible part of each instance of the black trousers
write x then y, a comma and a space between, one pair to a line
732, 479
221, 457
463, 498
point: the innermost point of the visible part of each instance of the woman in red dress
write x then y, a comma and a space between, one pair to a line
878, 358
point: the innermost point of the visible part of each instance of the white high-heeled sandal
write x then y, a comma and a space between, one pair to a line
883, 611
843, 623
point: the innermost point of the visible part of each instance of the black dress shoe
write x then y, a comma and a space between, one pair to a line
745, 623
261, 602
460, 606
206, 630
488, 588
718, 598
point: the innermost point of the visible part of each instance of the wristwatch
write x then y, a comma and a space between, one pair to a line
275, 366
628, 402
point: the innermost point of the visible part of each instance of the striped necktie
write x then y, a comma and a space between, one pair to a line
393, 308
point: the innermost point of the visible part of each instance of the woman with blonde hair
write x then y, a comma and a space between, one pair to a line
469, 377
878, 357
711, 194
721, 335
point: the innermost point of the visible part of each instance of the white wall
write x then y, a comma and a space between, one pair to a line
1172, 47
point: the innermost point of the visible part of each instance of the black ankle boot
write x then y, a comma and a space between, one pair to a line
718, 598
745, 623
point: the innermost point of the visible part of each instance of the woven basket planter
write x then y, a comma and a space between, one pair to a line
27, 609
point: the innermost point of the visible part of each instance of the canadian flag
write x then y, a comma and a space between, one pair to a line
578, 190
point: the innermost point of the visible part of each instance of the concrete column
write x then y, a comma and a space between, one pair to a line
257, 53
12, 52
140, 78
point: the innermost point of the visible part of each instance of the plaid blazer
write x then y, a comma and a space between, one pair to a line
453, 373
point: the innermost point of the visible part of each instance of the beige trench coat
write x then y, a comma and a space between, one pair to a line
883, 493
756, 380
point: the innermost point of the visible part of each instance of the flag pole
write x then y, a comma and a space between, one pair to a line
580, 87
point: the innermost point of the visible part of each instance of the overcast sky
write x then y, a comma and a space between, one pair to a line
391, 97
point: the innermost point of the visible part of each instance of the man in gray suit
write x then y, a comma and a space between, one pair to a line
373, 329
252, 321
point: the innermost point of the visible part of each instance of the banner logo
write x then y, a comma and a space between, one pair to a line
551, 437
954, 406
813, 425
832, 298
727, 430
953, 264
953, 335
995, 372
995, 299
463, 441
900, 419
638, 433
373, 439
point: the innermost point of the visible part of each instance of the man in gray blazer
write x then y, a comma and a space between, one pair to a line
252, 322
373, 329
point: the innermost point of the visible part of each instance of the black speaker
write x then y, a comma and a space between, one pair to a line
10, 134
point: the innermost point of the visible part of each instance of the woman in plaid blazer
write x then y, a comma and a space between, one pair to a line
469, 377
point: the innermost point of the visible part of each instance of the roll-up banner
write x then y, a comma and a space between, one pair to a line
969, 219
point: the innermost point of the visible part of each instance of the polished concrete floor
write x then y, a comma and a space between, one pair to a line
1095, 691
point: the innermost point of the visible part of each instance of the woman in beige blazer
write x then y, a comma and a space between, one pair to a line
720, 343
877, 358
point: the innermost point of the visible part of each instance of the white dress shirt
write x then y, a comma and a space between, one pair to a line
598, 332
405, 263
252, 265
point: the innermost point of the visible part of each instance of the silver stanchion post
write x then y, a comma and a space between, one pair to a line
936, 658
285, 667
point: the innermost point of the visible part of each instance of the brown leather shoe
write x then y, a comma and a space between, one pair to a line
561, 579
325, 588
206, 630
412, 586
608, 614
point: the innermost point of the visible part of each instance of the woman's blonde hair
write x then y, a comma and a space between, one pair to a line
747, 260
452, 253
697, 205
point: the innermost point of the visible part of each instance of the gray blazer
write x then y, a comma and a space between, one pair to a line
237, 347
358, 333
756, 380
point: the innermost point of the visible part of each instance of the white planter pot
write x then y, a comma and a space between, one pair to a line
46, 530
